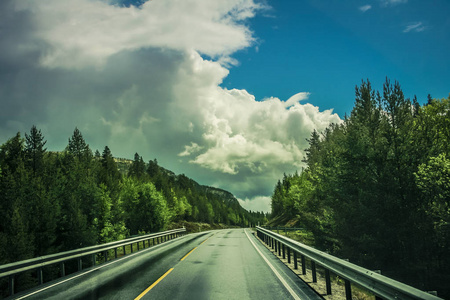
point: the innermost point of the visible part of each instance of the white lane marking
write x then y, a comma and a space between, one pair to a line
163, 245
286, 285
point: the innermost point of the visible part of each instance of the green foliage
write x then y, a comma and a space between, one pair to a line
433, 180
376, 188
145, 208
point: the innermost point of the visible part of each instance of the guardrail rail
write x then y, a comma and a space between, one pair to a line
381, 286
12, 269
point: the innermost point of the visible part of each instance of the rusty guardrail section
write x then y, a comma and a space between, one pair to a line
382, 286
38, 263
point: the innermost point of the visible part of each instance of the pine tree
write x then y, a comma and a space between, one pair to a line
34, 149
78, 147
137, 169
109, 174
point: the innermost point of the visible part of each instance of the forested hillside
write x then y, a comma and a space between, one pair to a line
56, 201
376, 188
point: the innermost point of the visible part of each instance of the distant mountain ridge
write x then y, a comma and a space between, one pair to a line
124, 164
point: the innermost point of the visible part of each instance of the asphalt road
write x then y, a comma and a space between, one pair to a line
224, 264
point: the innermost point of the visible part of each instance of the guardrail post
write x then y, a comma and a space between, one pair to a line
328, 281
348, 290
279, 248
276, 244
93, 259
115, 253
105, 255
40, 276
62, 269
295, 261
284, 251
303, 265
80, 264
137, 246
131, 245
313, 271
289, 255
11, 285
124, 251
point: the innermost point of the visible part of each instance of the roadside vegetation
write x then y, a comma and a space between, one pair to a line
376, 188
58, 201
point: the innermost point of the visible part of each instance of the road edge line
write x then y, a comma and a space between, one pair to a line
286, 285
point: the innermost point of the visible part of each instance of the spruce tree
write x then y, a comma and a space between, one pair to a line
78, 147
137, 169
34, 149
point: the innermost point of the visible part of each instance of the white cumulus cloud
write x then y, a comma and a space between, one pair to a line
81, 33
137, 80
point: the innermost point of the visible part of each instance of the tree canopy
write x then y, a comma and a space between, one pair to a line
376, 188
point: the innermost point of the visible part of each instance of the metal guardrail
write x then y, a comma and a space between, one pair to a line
285, 229
382, 286
38, 263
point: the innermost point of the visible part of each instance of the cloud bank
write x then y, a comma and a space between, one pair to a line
148, 79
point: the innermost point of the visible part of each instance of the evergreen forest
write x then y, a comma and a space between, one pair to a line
57, 201
376, 188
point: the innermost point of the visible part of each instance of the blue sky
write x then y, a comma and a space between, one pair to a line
327, 47
224, 91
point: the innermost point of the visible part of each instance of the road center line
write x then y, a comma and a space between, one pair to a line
188, 254
153, 285
192, 250
162, 277
286, 285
